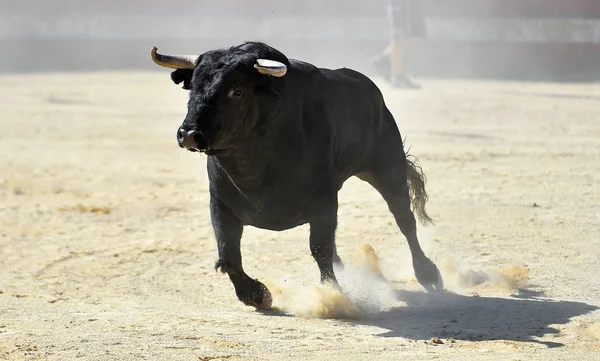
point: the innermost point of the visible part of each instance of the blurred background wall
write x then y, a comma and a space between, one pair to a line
502, 39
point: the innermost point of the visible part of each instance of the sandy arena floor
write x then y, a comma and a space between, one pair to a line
107, 253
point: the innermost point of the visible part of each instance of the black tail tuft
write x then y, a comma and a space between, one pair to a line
416, 188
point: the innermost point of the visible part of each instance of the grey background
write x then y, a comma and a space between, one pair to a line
462, 40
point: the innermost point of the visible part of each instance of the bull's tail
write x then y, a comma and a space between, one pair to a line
416, 189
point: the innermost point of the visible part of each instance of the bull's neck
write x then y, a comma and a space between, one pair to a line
265, 153
250, 163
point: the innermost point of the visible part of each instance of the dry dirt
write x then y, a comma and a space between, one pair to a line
107, 253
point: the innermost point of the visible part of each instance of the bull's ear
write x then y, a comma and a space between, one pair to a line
183, 75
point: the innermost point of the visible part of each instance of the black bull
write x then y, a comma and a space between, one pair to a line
281, 137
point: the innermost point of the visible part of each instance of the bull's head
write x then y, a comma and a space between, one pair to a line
231, 91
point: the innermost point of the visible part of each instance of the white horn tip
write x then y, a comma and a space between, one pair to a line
270, 67
266, 63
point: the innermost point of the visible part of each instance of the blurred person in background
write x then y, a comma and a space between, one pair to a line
406, 23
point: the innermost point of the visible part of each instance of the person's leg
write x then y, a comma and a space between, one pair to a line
398, 59
391, 63
397, 55
382, 63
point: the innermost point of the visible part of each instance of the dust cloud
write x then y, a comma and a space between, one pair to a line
461, 277
364, 290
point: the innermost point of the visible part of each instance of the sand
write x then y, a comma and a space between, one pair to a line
107, 253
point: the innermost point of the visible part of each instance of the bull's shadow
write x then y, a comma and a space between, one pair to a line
475, 318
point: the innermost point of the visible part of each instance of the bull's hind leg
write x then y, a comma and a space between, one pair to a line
391, 181
323, 224
228, 231
336, 259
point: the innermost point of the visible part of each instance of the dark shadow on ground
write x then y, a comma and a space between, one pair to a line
474, 318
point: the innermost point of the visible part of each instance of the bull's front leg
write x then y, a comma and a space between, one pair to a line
228, 231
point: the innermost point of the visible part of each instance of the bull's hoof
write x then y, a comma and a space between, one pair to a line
256, 295
428, 275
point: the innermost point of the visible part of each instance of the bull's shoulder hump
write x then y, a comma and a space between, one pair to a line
303, 66
351, 73
339, 74
349, 76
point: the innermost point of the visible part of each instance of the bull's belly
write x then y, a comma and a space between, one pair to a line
276, 224
285, 205
276, 213
280, 221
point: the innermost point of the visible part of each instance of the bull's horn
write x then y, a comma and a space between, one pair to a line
270, 67
174, 61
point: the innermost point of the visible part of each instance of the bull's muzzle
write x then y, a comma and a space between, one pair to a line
189, 139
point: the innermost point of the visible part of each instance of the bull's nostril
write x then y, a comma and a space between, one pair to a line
181, 134
189, 139
180, 137
197, 137
189, 136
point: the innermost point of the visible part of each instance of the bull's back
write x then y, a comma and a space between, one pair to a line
359, 118
352, 95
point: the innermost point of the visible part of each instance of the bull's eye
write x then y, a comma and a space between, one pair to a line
236, 93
